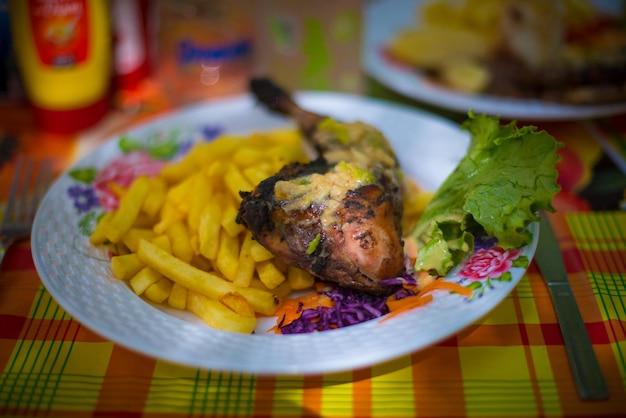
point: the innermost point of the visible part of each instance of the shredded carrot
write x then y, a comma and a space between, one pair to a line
451, 286
402, 305
397, 306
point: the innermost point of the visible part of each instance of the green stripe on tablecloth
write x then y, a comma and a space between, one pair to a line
178, 389
33, 378
610, 291
601, 235
524, 290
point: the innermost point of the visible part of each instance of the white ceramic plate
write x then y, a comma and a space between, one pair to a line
383, 20
79, 276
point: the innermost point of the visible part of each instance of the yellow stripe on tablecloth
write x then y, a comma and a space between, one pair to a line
392, 389
503, 314
288, 394
497, 379
83, 374
337, 395
525, 298
549, 398
171, 388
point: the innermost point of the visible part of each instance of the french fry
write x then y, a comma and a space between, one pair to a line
156, 198
219, 149
205, 283
228, 255
229, 216
245, 157
144, 221
246, 264
199, 199
256, 174
260, 253
178, 195
238, 303
201, 262
169, 214
178, 296
282, 290
180, 241
144, 279
126, 266
209, 231
128, 210
158, 292
299, 279
269, 274
236, 182
176, 172
217, 169
133, 235
163, 242
97, 236
217, 315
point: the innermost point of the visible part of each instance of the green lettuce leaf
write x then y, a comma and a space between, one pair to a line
506, 177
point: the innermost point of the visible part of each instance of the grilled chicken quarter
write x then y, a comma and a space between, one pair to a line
338, 216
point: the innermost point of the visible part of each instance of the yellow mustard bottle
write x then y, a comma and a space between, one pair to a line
63, 50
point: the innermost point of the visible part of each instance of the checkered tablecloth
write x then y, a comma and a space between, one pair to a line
512, 363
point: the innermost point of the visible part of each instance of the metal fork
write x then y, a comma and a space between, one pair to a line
23, 201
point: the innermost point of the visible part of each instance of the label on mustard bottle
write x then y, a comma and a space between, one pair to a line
60, 31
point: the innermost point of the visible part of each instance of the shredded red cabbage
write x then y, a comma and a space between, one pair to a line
351, 307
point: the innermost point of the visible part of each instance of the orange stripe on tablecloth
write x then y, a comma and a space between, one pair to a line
264, 396
437, 382
312, 395
362, 392
534, 334
126, 385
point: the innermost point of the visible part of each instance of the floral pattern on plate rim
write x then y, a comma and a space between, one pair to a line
92, 195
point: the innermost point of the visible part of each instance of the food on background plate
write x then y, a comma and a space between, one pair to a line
564, 51
339, 216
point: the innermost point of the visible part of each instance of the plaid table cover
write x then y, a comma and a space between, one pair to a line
512, 363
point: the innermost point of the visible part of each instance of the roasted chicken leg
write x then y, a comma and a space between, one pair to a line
339, 216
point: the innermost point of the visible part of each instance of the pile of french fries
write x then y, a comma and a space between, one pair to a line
177, 241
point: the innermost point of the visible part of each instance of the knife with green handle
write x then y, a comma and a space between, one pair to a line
583, 361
